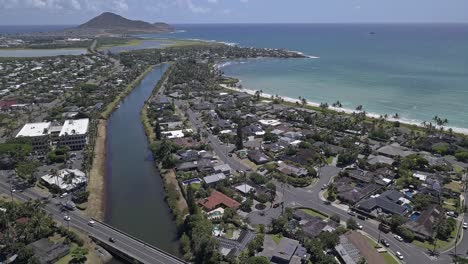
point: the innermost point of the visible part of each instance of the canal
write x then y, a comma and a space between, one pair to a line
135, 200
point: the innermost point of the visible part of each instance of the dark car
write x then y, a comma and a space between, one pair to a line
384, 242
111, 239
275, 205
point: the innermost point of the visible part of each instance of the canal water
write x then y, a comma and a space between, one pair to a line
134, 191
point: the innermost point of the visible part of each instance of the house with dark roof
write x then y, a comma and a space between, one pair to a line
352, 194
287, 249
291, 170
423, 226
258, 157
389, 202
47, 252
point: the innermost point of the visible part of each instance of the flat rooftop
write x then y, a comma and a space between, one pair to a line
75, 127
34, 129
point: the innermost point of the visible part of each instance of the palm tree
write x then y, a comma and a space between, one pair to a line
55, 174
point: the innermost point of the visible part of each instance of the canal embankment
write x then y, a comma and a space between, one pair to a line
174, 195
135, 198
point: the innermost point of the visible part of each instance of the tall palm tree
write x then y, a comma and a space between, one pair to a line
54, 173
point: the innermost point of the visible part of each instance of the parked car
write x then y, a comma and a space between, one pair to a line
324, 186
111, 239
399, 255
351, 213
465, 225
91, 223
362, 217
63, 195
384, 242
399, 238
67, 218
359, 226
275, 205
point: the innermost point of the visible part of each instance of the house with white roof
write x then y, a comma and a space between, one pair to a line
74, 133
66, 179
38, 133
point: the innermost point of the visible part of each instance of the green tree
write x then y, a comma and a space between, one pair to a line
351, 224
258, 260
79, 255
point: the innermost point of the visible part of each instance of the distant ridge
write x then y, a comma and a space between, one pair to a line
115, 24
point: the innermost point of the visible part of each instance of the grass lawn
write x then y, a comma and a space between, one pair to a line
454, 186
196, 186
229, 231
315, 213
449, 204
276, 238
389, 259
330, 160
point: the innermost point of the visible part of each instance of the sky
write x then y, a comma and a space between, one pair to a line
72, 12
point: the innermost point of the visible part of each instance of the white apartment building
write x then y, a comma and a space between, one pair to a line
74, 134
38, 133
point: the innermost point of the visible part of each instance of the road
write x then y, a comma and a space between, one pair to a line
102, 232
309, 197
222, 150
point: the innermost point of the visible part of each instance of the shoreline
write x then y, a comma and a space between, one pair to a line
267, 96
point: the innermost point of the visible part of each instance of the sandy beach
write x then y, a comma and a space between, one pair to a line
342, 110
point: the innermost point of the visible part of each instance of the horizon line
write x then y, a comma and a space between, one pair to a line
275, 23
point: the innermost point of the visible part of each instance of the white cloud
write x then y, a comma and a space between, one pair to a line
213, 1
66, 5
194, 8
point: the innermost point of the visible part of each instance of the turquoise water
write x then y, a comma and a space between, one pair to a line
415, 70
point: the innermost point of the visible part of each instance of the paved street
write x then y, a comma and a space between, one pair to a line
133, 247
309, 197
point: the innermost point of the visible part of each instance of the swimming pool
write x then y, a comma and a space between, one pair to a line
414, 216
194, 180
409, 194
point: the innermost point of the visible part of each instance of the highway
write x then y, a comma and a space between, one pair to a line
126, 244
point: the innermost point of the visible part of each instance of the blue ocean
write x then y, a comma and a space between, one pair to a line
415, 70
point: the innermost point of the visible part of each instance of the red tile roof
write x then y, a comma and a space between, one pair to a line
216, 199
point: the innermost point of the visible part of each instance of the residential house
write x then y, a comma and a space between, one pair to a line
258, 157
223, 168
214, 178
423, 226
389, 202
291, 170
216, 200
288, 250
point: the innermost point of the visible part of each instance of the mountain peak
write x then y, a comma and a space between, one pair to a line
114, 23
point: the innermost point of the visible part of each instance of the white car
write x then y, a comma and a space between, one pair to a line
91, 223
465, 225
359, 226
67, 218
399, 255
399, 238
63, 195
